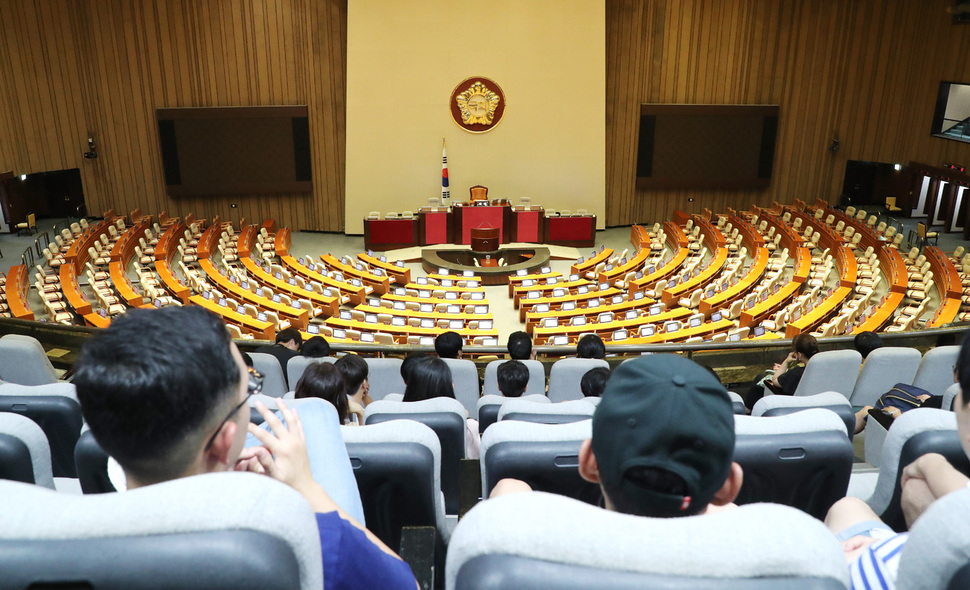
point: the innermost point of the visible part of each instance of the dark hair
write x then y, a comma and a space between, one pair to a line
712, 372
247, 359
323, 380
591, 347
429, 378
448, 345
513, 378
152, 385
520, 345
408, 363
594, 381
805, 344
316, 347
289, 334
354, 369
866, 342
963, 369
651, 478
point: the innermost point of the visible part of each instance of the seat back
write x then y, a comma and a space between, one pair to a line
935, 372
882, 369
543, 540
802, 460
225, 530
937, 553
566, 375
537, 378
545, 456
464, 374
24, 453
489, 406
296, 365
397, 465
92, 465
833, 370
525, 410
55, 409
23, 361
446, 417
782, 405
384, 376
274, 383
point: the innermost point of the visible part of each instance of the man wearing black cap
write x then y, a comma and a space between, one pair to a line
663, 439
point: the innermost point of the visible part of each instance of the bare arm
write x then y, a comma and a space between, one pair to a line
781, 368
926, 480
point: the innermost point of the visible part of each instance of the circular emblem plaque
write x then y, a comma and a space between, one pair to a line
477, 104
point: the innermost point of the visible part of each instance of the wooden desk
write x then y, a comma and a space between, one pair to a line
77, 254
328, 305
208, 242
465, 217
673, 294
425, 315
72, 291
763, 309
526, 305
527, 224
568, 286
18, 283
533, 318
350, 293
707, 328
578, 230
632, 265
590, 263
378, 284
261, 330
172, 284
400, 333
298, 318
882, 315
433, 300
607, 328
282, 242
434, 226
710, 304
819, 313
123, 285
396, 274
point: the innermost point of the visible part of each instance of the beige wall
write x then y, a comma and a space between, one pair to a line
405, 58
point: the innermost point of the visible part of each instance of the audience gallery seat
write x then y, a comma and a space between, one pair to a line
55, 409
384, 376
537, 377
274, 382
464, 374
937, 553
882, 369
24, 453
23, 361
489, 406
92, 465
782, 405
224, 531
833, 370
539, 540
298, 364
526, 410
566, 375
935, 373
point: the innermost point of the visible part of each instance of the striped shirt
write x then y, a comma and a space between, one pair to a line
876, 566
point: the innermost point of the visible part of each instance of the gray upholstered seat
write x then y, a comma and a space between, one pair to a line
737, 403
296, 365
537, 378
546, 456
546, 413
935, 373
882, 369
54, 407
24, 453
565, 377
780, 405
489, 405
23, 361
446, 417
833, 370
92, 465
803, 460
949, 396
225, 531
538, 540
464, 374
937, 553
384, 376
274, 382
398, 469
915, 433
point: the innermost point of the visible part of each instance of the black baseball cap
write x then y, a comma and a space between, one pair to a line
666, 412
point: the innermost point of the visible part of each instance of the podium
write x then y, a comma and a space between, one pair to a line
467, 216
484, 239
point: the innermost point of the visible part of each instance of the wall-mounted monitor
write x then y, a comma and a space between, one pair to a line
235, 150
706, 146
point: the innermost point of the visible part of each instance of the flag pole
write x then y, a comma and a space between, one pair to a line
445, 191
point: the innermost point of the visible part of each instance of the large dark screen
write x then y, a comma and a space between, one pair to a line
235, 150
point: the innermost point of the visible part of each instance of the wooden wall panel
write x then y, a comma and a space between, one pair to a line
74, 67
865, 70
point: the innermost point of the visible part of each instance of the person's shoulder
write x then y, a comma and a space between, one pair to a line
351, 560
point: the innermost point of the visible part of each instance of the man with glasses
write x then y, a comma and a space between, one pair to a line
164, 393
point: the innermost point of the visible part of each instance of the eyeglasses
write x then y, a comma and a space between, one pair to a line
254, 386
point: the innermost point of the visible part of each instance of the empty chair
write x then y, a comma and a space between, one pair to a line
802, 460
397, 466
565, 377
53, 407
274, 382
296, 365
537, 377
546, 413
384, 376
781, 405
443, 415
935, 372
545, 456
935, 555
23, 361
24, 453
833, 370
539, 540
490, 404
195, 539
882, 369
464, 374
915, 433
